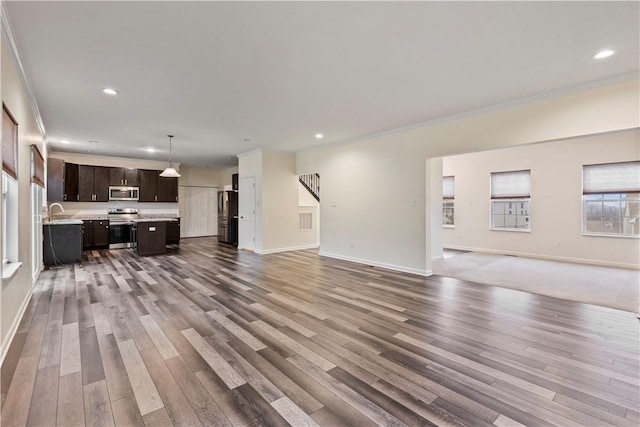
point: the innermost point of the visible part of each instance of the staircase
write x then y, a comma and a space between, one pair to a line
311, 181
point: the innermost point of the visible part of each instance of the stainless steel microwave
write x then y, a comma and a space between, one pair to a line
118, 192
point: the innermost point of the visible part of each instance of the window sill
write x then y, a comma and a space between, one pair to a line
448, 226
9, 269
517, 230
623, 236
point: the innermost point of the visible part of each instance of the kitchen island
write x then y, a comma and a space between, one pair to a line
152, 235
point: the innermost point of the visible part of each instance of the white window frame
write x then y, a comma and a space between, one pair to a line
609, 182
10, 226
634, 221
520, 194
449, 201
517, 229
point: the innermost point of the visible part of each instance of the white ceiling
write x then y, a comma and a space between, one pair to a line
215, 74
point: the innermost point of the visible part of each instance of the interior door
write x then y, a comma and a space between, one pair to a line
247, 238
212, 211
197, 203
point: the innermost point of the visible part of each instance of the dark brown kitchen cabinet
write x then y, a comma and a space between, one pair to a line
234, 182
167, 189
173, 232
93, 183
95, 234
148, 185
151, 238
55, 180
70, 181
155, 188
123, 176
62, 180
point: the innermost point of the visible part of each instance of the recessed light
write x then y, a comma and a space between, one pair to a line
92, 141
109, 91
604, 54
150, 150
65, 141
319, 136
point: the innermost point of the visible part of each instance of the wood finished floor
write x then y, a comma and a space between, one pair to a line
208, 336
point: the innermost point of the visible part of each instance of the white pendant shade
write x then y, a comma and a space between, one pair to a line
170, 172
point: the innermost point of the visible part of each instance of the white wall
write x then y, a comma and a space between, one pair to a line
250, 165
280, 205
556, 194
277, 201
16, 291
122, 162
372, 183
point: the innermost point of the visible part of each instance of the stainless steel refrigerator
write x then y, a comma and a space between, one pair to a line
228, 217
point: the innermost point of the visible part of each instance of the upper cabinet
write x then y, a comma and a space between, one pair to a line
155, 188
234, 182
84, 183
70, 181
55, 180
62, 180
93, 183
123, 176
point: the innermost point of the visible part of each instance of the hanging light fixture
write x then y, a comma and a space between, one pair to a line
170, 171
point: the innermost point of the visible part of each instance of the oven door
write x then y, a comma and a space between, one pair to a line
120, 235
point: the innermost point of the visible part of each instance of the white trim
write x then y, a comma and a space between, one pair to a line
9, 269
14, 326
394, 267
7, 33
291, 248
548, 257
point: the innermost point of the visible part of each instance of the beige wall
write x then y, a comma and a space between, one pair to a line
556, 208
16, 291
368, 186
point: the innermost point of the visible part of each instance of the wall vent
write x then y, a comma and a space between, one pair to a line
305, 221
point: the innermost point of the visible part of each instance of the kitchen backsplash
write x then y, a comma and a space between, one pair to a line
75, 209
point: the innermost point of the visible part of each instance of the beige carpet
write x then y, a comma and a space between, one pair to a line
609, 287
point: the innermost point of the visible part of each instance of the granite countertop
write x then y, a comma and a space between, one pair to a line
158, 219
67, 221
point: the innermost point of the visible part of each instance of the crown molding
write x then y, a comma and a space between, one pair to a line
7, 34
634, 75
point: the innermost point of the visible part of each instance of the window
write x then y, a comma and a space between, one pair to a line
9, 194
611, 199
510, 200
448, 199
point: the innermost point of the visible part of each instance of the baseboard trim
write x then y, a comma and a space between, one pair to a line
548, 257
14, 327
289, 249
393, 267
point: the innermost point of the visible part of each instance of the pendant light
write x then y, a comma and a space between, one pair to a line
170, 171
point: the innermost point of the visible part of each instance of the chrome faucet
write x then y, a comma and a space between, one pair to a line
52, 205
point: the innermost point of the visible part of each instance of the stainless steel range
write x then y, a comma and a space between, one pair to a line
121, 227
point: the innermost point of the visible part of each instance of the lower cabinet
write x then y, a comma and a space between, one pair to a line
95, 234
173, 232
62, 244
151, 238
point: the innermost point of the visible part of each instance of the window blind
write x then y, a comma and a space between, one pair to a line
37, 166
9, 143
448, 187
611, 178
509, 185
